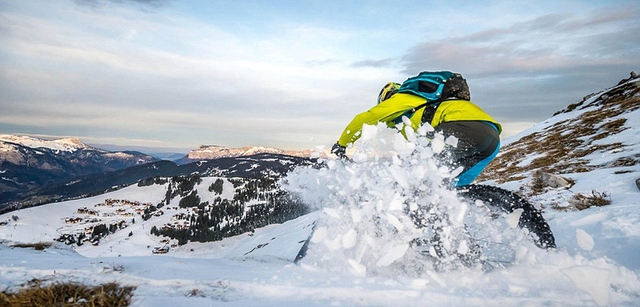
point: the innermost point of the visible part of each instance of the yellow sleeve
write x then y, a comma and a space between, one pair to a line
461, 110
387, 111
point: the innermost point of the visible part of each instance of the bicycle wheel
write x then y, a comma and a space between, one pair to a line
507, 201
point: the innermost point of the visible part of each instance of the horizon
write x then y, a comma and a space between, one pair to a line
179, 74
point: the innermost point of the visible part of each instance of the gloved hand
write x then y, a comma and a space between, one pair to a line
339, 151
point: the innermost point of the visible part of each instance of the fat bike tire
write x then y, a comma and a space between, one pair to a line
507, 201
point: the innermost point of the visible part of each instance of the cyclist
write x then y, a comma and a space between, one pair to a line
440, 99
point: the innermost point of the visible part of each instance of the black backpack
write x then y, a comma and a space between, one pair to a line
435, 87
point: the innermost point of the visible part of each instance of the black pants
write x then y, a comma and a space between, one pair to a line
477, 141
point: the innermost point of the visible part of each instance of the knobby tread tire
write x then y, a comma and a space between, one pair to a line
507, 201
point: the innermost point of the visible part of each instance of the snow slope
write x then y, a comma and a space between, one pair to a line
596, 144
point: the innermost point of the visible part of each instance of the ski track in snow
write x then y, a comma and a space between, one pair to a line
596, 263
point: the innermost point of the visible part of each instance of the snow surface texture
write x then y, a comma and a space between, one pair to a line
343, 265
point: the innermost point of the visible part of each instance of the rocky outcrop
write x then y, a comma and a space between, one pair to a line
210, 152
554, 181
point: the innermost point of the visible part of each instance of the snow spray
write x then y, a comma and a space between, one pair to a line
381, 212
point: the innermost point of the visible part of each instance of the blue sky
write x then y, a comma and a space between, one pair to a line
290, 74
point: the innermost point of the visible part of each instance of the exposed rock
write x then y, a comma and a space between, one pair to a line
632, 76
638, 183
554, 181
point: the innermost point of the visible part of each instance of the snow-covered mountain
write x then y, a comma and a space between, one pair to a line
210, 152
64, 144
255, 166
181, 208
28, 162
594, 147
601, 132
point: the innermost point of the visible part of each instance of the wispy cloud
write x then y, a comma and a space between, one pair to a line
538, 62
546, 43
142, 4
374, 63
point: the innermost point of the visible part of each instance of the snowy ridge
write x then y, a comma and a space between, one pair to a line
598, 132
208, 152
65, 144
594, 143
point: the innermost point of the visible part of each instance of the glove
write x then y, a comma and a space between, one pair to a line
339, 151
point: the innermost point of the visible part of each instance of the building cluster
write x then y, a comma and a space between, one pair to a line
85, 210
178, 225
73, 220
122, 202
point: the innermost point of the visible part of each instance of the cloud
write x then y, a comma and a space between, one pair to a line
272, 77
142, 4
374, 63
547, 62
549, 42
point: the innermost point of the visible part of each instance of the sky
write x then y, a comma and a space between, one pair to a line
174, 75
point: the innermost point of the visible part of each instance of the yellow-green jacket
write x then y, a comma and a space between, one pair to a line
390, 109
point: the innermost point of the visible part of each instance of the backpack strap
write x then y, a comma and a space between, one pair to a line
429, 111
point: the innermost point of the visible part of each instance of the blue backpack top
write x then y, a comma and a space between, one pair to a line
427, 84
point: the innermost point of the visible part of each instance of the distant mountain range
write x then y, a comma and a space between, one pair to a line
255, 166
35, 171
210, 152
27, 162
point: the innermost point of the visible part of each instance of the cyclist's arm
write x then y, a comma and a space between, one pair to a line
387, 111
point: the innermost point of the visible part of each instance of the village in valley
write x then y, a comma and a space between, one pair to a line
192, 209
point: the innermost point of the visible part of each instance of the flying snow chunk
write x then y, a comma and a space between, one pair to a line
392, 255
357, 268
355, 183
585, 241
459, 216
396, 202
410, 133
463, 248
424, 129
457, 171
368, 132
406, 121
319, 234
356, 215
401, 146
393, 220
332, 213
452, 141
592, 280
437, 145
400, 176
514, 217
349, 239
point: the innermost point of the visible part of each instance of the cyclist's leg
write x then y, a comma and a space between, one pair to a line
478, 144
